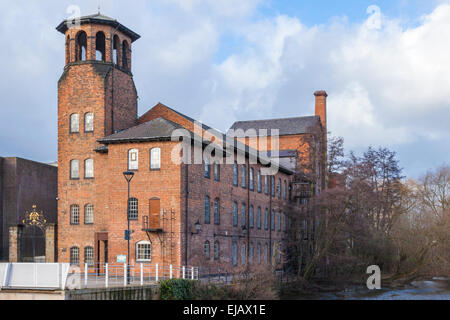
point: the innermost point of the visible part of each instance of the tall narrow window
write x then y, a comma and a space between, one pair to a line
207, 250
80, 46
244, 176
266, 184
250, 253
216, 250
285, 190
74, 214
207, 168
258, 252
272, 220
89, 122
235, 214
133, 207
116, 48
235, 174
125, 54
89, 168
234, 253
243, 215
266, 219
217, 211
258, 218
143, 251
251, 217
89, 214
74, 256
74, 169
272, 185
258, 181
279, 221
207, 210
89, 256
279, 188
243, 254
133, 159
155, 159
251, 183
266, 252
216, 171
74, 123
100, 46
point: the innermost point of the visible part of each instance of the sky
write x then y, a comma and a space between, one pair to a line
384, 64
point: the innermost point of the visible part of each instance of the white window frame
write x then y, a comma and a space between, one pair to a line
89, 168
138, 252
89, 214
133, 159
155, 159
74, 123
74, 214
89, 122
74, 169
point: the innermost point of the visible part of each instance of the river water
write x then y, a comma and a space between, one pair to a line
435, 289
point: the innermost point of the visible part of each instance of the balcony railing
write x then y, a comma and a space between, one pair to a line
152, 223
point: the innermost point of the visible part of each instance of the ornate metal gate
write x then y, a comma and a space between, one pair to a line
32, 237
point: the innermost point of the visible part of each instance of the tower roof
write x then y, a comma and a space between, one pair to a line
100, 19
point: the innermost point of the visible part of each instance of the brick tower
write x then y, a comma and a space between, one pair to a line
96, 97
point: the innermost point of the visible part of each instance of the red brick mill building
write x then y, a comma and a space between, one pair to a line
202, 214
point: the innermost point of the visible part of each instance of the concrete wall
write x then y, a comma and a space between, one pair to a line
31, 295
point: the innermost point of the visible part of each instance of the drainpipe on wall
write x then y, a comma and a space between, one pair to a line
186, 213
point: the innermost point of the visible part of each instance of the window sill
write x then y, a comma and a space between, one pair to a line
143, 260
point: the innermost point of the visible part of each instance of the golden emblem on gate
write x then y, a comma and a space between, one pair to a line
34, 218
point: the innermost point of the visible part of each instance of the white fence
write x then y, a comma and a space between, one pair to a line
33, 275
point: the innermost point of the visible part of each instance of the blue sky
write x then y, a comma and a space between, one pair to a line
227, 60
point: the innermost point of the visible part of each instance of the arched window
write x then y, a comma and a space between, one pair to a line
251, 183
100, 46
272, 220
259, 181
207, 250
116, 48
266, 252
155, 159
216, 250
74, 214
272, 183
235, 174
243, 254
125, 54
89, 214
74, 123
258, 218
243, 214
89, 122
143, 251
217, 211
133, 159
258, 252
216, 171
244, 176
89, 168
74, 256
74, 169
235, 214
285, 190
234, 253
250, 253
251, 217
266, 184
207, 210
207, 168
266, 219
89, 256
279, 188
81, 46
133, 206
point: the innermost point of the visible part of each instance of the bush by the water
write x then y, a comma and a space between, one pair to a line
176, 289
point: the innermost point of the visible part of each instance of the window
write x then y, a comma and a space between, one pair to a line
243, 217
234, 253
258, 252
89, 256
89, 169
74, 169
251, 217
207, 250
266, 252
272, 220
207, 210
89, 122
279, 221
116, 46
235, 174
266, 184
133, 209
217, 211
80, 46
258, 218
243, 176
278, 253
285, 190
279, 188
272, 185
89, 214
216, 171
252, 182
125, 54
143, 251
100, 46
207, 168
74, 256
235, 214
74, 214
216, 250
266, 219
74, 123
243, 253
155, 159
258, 181
250, 253
133, 159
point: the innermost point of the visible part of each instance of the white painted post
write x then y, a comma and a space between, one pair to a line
184, 272
142, 274
106, 275
85, 275
170, 271
192, 273
124, 274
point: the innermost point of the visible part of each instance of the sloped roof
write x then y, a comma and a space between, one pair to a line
100, 19
286, 126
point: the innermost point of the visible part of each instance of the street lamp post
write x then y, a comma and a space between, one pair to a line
128, 176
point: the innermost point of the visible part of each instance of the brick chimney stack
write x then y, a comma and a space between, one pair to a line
321, 106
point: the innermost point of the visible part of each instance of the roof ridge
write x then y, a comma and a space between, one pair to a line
272, 119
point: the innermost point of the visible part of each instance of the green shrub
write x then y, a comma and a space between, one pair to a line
176, 289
